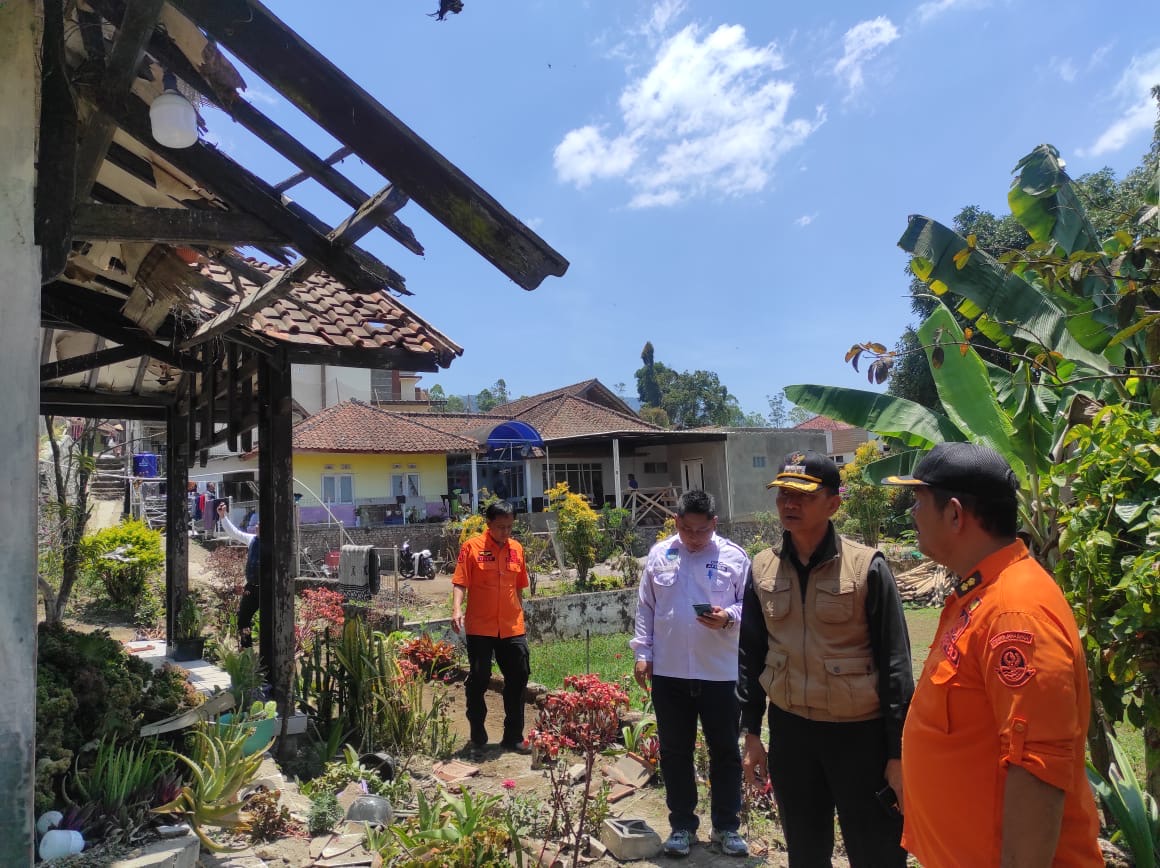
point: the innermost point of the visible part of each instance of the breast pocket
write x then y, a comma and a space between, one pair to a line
835, 602
774, 596
932, 701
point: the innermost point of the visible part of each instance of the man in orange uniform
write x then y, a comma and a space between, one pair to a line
993, 747
492, 574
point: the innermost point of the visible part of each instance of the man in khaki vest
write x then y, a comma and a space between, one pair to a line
824, 638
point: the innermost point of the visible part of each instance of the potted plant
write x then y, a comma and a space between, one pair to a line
188, 641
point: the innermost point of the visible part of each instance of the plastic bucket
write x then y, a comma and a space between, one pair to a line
145, 464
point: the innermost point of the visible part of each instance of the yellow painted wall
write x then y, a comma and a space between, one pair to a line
372, 473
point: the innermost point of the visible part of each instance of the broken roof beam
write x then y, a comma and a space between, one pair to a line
88, 362
342, 236
351, 115
57, 304
244, 191
170, 226
133, 34
298, 177
169, 55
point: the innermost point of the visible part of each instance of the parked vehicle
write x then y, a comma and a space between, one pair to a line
415, 565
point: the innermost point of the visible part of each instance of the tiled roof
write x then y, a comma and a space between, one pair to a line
322, 312
822, 423
353, 426
565, 417
589, 390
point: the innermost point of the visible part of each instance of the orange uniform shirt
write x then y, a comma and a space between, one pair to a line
1005, 684
493, 575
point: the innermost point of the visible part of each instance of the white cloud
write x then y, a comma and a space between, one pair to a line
663, 15
710, 116
805, 220
1138, 110
585, 154
932, 9
1064, 68
256, 94
862, 43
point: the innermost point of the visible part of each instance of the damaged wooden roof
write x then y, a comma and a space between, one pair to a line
144, 247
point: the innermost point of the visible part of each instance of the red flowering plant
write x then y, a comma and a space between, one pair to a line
431, 657
319, 613
584, 716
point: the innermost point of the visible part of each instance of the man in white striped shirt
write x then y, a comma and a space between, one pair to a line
685, 644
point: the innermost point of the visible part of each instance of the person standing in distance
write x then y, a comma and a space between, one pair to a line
993, 749
250, 602
492, 575
685, 644
824, 637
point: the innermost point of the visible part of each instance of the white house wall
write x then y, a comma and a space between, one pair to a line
748, 493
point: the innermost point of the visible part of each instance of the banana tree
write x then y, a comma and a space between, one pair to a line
1053, 313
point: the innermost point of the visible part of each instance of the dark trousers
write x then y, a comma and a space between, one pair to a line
678, 703
247, 608
816, 766
515, 664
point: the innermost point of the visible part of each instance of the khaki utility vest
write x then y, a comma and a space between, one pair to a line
818, 664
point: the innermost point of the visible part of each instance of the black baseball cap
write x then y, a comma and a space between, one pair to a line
807, 471
964, 468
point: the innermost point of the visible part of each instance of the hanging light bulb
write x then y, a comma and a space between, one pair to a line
173, 119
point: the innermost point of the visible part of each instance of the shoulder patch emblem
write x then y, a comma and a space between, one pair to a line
1013, 669
1020, 636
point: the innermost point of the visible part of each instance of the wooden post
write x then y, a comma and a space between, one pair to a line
276, 499
176, 518
20, 397
616, 471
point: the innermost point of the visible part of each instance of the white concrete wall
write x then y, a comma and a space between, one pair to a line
342, 384
19, 423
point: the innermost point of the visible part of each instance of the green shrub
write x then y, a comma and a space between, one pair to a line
324, 814
121, 559
579, 528
87, 689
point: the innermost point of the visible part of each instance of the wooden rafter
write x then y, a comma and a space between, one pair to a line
244, 191
87, 362
67, 309
128, 48
298, 177
355, 118
162, 47
342, 236
169, 226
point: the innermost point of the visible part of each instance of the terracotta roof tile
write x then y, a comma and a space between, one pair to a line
321, 311
353, 426
822, 423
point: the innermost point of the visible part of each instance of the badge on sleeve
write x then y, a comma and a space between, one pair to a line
1014, 647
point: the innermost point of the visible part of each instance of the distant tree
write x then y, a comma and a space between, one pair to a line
655, 416
436, 394
647, 388
752, 420
778, 414
620, 387
455, 404
490, 398
797, 415
911, 378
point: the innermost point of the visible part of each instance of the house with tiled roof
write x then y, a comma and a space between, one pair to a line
842, 438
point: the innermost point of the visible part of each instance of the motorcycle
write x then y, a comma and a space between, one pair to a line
415, 564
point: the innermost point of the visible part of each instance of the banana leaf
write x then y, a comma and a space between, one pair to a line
1018, 307
897, 464
886, 415
964, 387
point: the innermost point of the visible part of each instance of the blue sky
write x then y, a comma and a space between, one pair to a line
728, 179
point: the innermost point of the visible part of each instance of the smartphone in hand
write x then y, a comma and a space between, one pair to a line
702, 609
888, 799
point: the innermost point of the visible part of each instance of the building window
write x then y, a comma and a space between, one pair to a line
656, 467
337, 488
839, 459
586, 479
405, 485
758, 460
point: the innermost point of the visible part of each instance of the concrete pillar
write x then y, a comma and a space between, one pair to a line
474, 485
616, 471
20, 398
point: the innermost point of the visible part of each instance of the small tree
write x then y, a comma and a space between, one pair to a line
579, 528
865, 503
64, 511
